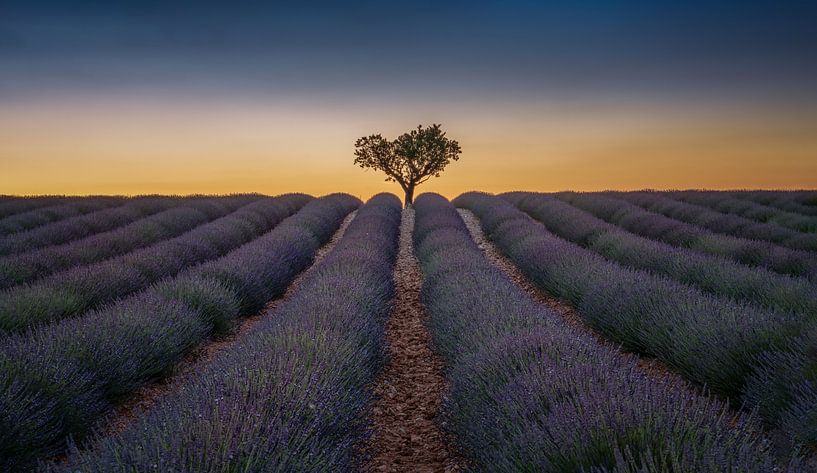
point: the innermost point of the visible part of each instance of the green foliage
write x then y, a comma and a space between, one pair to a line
411, 159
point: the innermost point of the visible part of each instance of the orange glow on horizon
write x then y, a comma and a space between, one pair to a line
130, 146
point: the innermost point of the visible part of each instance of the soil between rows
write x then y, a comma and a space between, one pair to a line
406, 436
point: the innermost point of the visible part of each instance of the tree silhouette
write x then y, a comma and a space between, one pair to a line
411, 159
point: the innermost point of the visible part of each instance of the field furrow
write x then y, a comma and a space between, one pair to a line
406, 436
72, 292
59, 380
531, 393
291, 395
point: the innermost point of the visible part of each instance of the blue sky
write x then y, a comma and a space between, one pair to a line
749, 50
159, 96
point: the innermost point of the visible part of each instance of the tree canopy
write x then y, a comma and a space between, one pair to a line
411, 159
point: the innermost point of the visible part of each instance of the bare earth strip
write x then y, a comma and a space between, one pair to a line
195, 361
656, 370
410, 389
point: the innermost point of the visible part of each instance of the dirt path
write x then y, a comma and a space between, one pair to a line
411, 387
653, 368
146, 397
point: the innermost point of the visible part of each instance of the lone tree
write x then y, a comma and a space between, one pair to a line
411, 159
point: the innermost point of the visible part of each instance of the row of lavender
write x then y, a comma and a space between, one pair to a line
105, 220
738, 350
636, 219
528, 393
74, 291
43, 215
13, 205
58, 380
802, 202
716, 274
25, 267
727, 202
291, 395
718, 222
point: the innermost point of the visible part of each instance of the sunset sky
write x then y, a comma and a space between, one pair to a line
205, 97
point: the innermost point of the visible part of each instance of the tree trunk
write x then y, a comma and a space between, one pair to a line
409, 196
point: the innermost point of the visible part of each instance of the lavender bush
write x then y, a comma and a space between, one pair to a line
291, 395
715, 274
28, 266
12, 205
43, 215
528, 393
719, 222
74, 291
659, 227
84, 225
784, 388
726, 202
713, 341
104, 220
801, 202
58, 380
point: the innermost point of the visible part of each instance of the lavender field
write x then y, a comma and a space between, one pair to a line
559, 332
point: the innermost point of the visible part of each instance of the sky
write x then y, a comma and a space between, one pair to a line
123, 97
